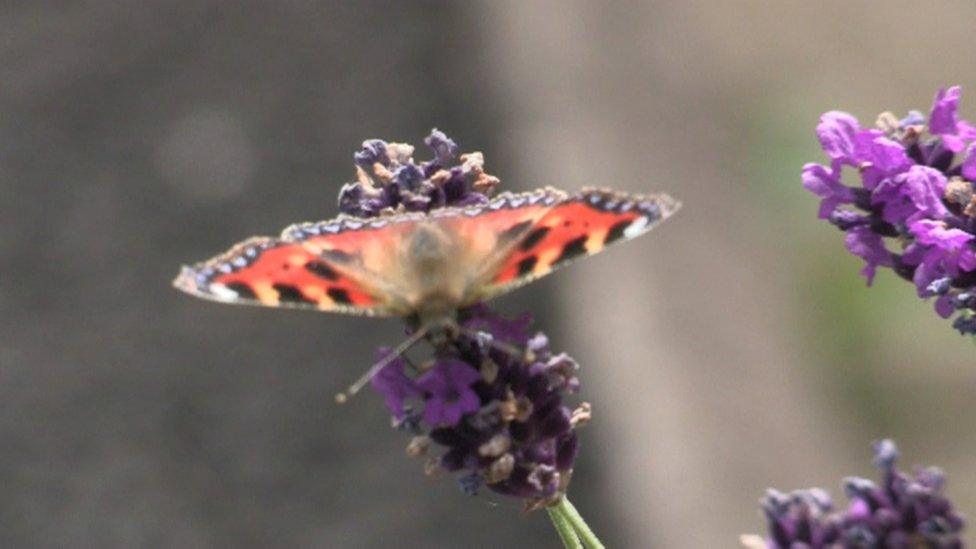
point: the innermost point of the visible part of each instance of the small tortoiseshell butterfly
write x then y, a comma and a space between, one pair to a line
424, 266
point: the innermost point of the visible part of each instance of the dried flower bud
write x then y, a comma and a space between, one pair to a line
418, 446
581, 415
500, 469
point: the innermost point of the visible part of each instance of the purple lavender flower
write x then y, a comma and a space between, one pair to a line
826, 184
945, 123
869, 246
445, 149
900, 511
392, 382
914, 210
490, 404
447, 385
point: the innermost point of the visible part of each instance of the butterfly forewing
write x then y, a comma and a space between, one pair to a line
577, 226
491, 232
334, 266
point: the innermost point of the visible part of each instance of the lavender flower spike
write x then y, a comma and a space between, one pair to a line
497, 416
490, 404
914, 210
389, 179
900, 511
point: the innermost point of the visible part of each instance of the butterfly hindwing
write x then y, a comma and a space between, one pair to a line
578, 225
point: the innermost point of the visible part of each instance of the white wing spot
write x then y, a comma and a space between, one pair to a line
223, 293
637, 228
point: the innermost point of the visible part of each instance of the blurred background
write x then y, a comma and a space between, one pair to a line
734, 349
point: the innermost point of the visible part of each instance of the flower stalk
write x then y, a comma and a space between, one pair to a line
567, 534
565, 513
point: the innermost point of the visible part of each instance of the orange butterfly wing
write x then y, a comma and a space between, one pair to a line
335, 265
490, 231
574, 226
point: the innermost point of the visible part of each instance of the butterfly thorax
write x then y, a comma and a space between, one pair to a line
435, 271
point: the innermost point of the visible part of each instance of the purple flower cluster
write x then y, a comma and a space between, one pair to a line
914, 209
902, 511
389, 179
491, 399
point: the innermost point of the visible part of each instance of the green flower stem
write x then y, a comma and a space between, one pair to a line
566, 532
564, 511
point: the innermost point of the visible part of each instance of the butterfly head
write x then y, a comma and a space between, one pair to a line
440, 325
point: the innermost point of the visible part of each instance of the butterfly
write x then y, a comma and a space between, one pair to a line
424, 266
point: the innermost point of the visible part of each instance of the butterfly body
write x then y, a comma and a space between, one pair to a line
437, 271
424, 266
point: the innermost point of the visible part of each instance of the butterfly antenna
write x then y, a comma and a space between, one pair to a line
342, 398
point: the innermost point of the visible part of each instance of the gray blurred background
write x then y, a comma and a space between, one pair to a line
734, 349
